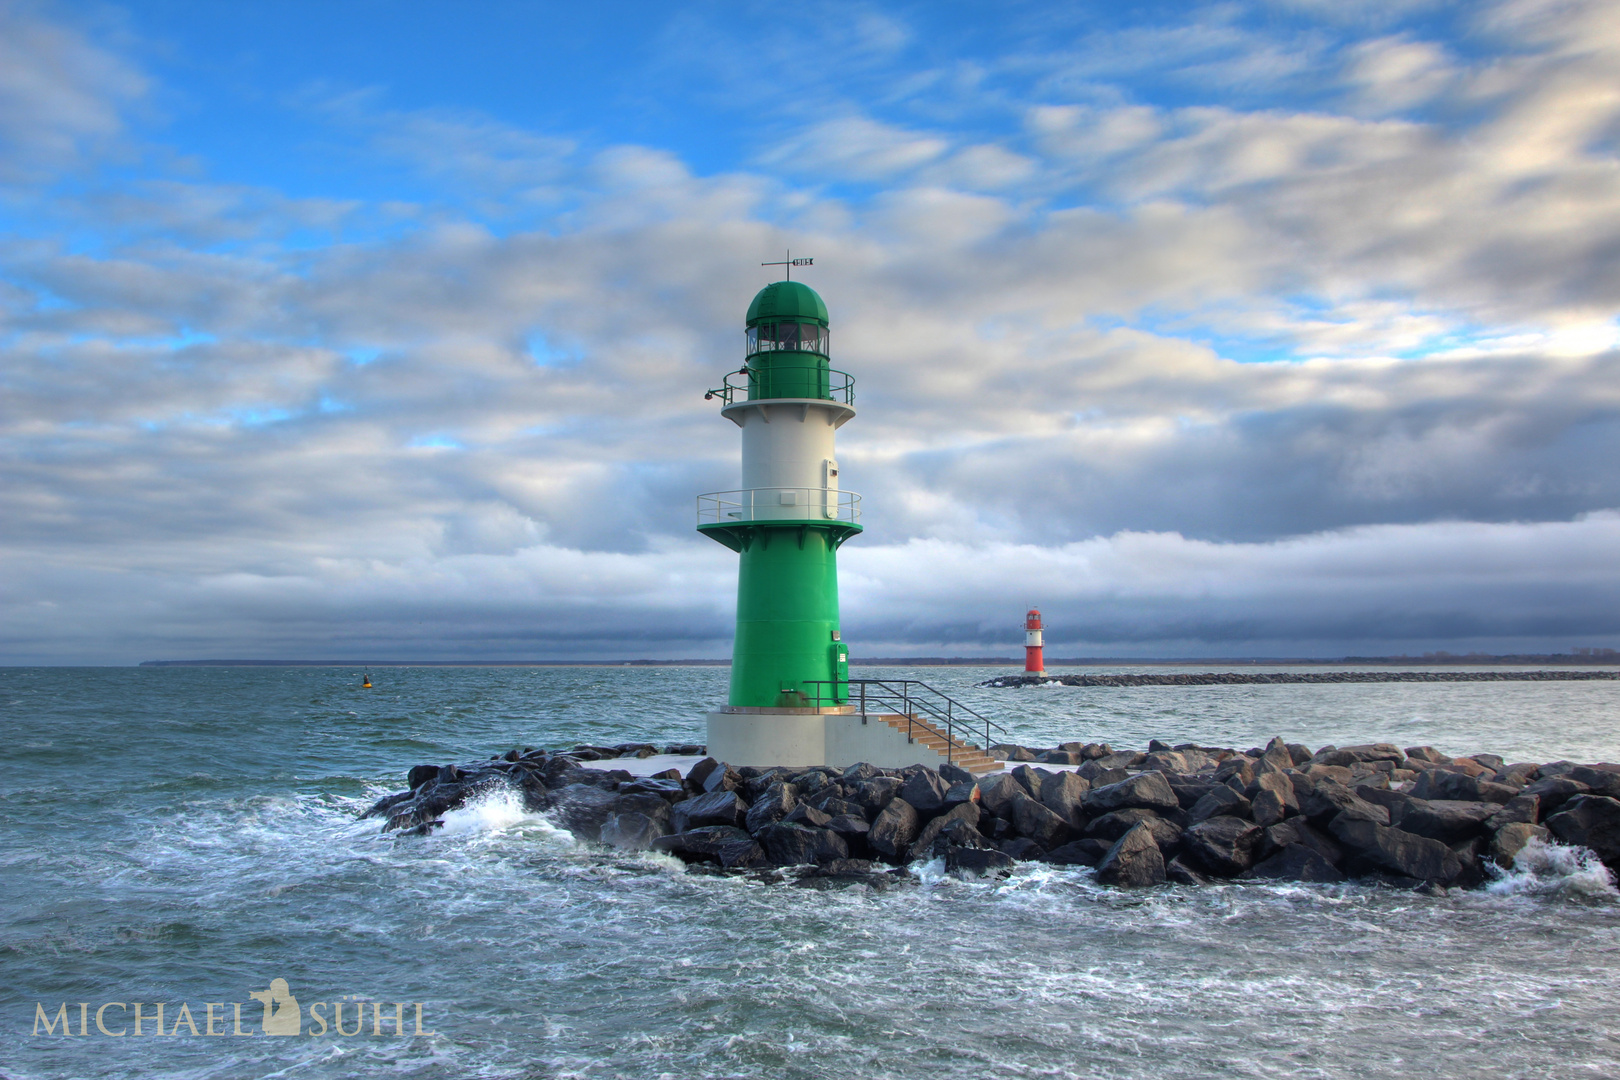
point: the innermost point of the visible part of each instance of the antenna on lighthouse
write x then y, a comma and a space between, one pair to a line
790, 262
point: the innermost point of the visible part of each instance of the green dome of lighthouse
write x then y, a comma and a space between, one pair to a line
787, 300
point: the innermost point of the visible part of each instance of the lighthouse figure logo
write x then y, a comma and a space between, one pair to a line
282, 1016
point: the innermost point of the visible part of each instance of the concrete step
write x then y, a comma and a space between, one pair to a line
965, 755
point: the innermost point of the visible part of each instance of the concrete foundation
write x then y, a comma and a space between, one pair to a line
767, 737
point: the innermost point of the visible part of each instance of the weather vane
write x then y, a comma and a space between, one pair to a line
790, 262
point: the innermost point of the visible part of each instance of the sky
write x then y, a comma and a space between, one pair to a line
381, 329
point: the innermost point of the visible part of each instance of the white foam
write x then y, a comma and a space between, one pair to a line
496, 812
1544, 869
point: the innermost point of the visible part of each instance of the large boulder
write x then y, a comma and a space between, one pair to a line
979, 862
807, 815
1296, 862
774, 804
632, 831
1460, 787
1395, 849
1041, 825
1297, 830
1279, 783
874, 794
1521, 809
1330, 801
1087, 852
996, 793
721, 844
1445, 820
1063, 793
1511, 839
1268, 808
1148, 790
698, 773
1134, 861
1222, 845
1189, 789
719, 807
1600, 781
1553, 792
923, 846
893, 831
788, 844
1590, 821
925, 790
1111, 827
1220, 799
582, 809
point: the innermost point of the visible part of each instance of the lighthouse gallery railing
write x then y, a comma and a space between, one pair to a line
912, 699
778, 504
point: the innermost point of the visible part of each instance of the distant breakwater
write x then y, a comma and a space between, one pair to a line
1239, 678
1186, 814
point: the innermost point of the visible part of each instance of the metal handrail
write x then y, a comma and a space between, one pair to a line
890, 691
840, 384
778, 504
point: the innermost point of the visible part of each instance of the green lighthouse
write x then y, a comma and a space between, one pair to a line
786, 524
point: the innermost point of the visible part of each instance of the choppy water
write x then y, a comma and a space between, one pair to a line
188, 835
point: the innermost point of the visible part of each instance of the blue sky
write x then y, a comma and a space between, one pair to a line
382, 328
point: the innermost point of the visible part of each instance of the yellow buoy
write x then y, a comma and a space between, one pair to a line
367, 684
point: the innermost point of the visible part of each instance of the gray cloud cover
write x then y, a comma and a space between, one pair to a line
1207, 377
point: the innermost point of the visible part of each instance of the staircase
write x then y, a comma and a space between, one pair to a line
963, 755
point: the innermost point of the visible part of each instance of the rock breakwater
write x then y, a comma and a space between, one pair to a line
1186, 814
1245, 678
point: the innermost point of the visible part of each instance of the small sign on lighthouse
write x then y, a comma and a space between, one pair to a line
1034, 646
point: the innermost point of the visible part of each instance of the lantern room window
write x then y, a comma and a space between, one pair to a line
789, 337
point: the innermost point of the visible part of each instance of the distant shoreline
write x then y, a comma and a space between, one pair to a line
1592, 658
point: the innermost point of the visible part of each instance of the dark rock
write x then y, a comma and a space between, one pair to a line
669, 790
635, 802
925, 791
774, 804
1236, 771
1280, 784
997, 792
1220, 799
381, 807
420, 775
720, 844
1121, 759
788, 844
1600, 781
923, 845
1134, 861
721, 807
1460, 787
697, 774
724, 778
1390, 800
1035, 821
1553, 792
1278, 754
1177, 872
1190, 789
805, 814
1511, 839
1149, 791
1299, 752
1031, 779
955, 774
1011, 752
1444, 819
852, 828
893, 830
1099, 776
1268, 808
1112, 826
834, 807
582, 809
685, 749
1592, 822
1223, 845
1063, 793
1058, 757
1297, 831
981, 862
1296, 862
1395, 849
1469, 853
966, 791
859, 772
874, 794
1525, 809
1094, 750
1330, 801
1088, 852
635, 750
632, 831
1023, 849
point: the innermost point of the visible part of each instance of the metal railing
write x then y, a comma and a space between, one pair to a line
914, 699
778, 504
764, 383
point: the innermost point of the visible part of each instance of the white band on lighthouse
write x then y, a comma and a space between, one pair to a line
1032, 637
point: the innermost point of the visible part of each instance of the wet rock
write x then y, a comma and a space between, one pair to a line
1469, 853
1553, 792
1525, 809
632, 831
955, 774
685, 749
1590, 821
923, 845
724, 778
1087, 852
1296, 862
853, 829
722, 845
382, 806
1178, 872
1031, 779
582, 809
1443, 819
805, 814
1023, 849
1134, 861
698, 773
893, 830
1111, 827
925, 791
834, 807
1330, 801
1440, 783
636, 802
774, 804
420, 775
979, 862
1511, 839
966, 791
1035, 821
1394, 849
1148, 790
1220, 799
1062, 793
874, 794
789, 844
996, 793
1223, 845
1297, 831
722, 807
668, 790
859, 772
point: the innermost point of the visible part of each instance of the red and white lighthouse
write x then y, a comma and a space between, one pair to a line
1034, 646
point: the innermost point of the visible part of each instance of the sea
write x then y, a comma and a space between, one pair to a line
189, 835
